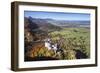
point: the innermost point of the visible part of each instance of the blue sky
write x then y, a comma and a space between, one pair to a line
57, 15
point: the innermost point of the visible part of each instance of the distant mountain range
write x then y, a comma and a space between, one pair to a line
69, 23
51, 24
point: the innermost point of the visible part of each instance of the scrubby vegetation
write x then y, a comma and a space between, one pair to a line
74, 42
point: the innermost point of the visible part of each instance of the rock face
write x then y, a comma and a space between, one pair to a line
35, 31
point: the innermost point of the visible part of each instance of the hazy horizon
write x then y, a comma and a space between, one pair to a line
58, 15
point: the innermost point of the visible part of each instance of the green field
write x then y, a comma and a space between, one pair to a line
72, 39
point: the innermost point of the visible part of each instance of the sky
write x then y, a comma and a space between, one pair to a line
58, 15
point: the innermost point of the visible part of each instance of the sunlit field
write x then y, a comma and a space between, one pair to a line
73, 40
